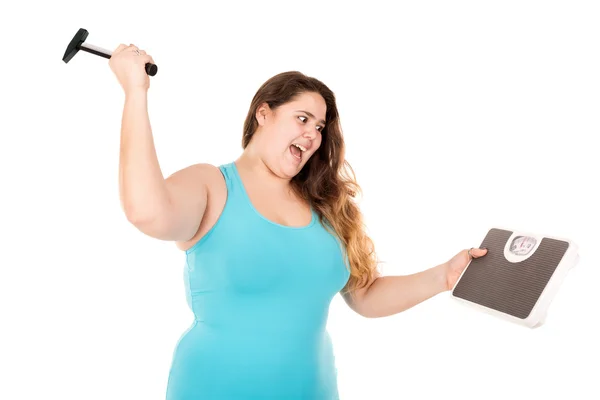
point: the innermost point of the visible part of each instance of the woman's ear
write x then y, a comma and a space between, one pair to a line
261, 114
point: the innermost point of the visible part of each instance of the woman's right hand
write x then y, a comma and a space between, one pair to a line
130, 68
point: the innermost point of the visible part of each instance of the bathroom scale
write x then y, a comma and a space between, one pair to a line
518, 277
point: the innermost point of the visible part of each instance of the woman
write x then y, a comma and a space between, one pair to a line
269, 240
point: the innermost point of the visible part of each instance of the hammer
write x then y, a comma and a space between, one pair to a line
78, 43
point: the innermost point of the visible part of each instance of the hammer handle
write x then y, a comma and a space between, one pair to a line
151, 69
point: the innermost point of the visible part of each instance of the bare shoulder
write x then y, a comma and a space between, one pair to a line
197, 178
209, 176
201, 173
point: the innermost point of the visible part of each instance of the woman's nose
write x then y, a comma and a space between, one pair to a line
311, 133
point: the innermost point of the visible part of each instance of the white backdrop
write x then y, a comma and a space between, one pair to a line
458, 117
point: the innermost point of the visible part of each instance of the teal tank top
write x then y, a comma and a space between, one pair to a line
260, 294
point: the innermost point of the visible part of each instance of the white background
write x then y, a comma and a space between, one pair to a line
458, 117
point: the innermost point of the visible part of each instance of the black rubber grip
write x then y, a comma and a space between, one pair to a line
151, 69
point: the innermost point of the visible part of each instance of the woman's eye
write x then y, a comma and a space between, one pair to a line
320, 128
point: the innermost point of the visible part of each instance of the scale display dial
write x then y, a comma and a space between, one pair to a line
522, 245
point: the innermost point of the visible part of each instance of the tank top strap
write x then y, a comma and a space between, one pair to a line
237, 207
235, 190
228, 171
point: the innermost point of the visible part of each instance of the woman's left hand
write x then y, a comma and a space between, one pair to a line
457, 264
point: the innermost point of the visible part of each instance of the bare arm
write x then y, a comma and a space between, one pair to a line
167, 209
389, 295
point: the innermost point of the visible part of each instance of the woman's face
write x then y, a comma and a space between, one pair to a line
289, 135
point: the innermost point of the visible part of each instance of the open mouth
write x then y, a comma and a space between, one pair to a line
297, 150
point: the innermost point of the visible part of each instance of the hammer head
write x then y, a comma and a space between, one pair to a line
74, 45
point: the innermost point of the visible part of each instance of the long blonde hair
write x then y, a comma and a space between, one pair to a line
327, 181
